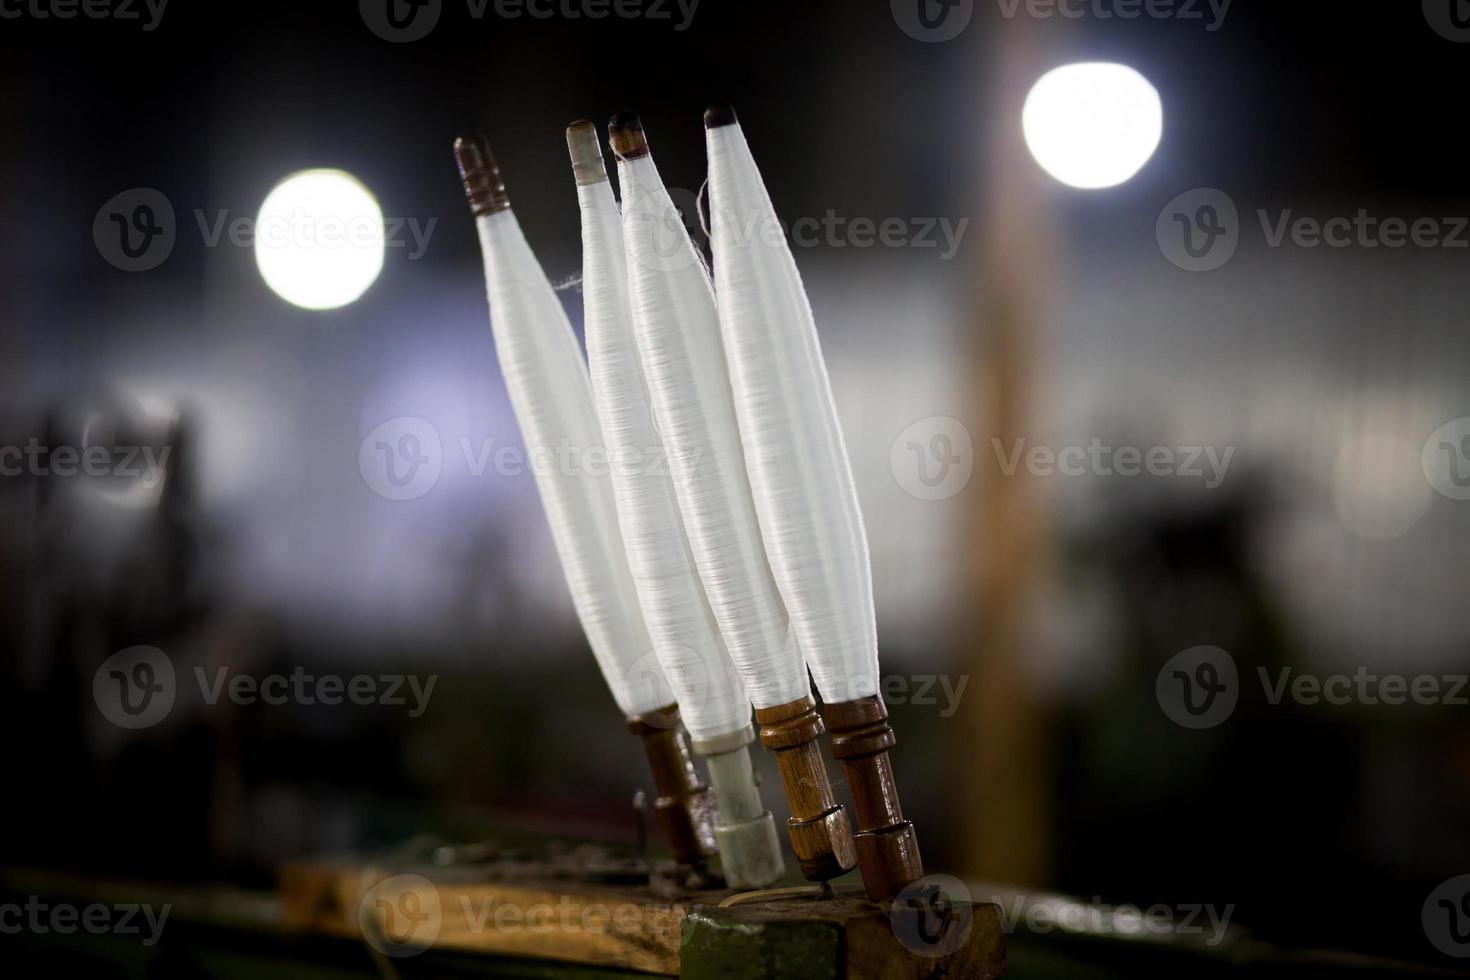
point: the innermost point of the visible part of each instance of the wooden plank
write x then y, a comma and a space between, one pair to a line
400, 910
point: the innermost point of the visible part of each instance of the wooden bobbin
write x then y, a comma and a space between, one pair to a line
888, 851
685, 807
480, 174
818, 828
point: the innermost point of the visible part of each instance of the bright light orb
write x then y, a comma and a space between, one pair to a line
319, 239
1092, 125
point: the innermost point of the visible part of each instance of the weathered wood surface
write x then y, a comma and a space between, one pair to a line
400, 910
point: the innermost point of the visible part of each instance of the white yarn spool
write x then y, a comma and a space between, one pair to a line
712, 699
552, 397
798, 465
683, 359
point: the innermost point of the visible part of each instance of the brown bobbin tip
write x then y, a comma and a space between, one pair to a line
586, 151
480, 174
887, 848
625, 133
719, 114
685, 807
818, 828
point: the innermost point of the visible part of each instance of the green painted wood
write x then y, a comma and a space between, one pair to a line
718, 946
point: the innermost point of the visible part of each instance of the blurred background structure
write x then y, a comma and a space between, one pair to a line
1306, 512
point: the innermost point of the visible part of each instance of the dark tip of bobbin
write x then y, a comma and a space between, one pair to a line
820, 833
480, 174
625, 133
887, 848
719, 114
685, 807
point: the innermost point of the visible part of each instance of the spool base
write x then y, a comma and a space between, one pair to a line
823, 844
750, 852
887, 848
685, 807
819, 830
745, 831
889, 858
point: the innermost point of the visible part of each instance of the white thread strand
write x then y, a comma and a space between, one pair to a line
799, 470
683, 360
712, 699
552, 397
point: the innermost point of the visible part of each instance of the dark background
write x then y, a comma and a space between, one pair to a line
267, 551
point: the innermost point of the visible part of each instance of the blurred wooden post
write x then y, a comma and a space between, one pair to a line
1007, 821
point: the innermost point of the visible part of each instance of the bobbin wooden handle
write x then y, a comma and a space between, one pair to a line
818, 828
480, 174
888, 851
685, 807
